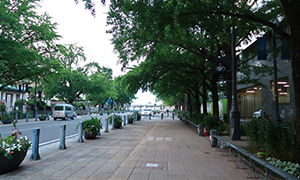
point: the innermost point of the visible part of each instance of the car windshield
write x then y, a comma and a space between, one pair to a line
58, 108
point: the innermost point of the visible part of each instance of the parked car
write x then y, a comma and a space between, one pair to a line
64, 111
146, 112
260, 114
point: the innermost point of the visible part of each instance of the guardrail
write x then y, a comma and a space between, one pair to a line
239, 155
254, 161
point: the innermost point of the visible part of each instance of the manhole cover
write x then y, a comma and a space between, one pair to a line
152, 165
180, 147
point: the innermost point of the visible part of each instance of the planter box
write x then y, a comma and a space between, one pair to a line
7, 121
43, 118
118, 124
7, 165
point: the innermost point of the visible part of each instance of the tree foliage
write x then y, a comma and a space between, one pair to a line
26, 41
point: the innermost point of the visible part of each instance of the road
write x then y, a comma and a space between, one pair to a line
49, 130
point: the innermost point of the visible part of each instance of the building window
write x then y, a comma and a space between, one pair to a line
283, 90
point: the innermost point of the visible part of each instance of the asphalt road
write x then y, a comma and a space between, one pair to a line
49, 130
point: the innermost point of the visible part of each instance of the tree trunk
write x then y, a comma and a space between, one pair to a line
215, 95
197, 101
189, 103
204, 98
228, 77
296, 79
182, 102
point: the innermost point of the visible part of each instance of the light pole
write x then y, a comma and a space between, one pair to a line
113, 116
22, 95
235, 133
35, 113
277, 117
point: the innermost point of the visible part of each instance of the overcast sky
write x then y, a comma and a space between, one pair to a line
77, 25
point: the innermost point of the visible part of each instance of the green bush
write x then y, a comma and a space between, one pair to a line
18, 103
291, 168
92, 125
139, 116
116, 118
273, 138
197, 118
223, 128
211, 121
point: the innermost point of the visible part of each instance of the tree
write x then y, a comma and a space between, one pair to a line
26, 40
263, 13
100, 83
67, 86
71, 81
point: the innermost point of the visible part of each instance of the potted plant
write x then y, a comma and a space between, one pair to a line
12, 150
91, 127
117, 121
130, 119
43, 117
6, 118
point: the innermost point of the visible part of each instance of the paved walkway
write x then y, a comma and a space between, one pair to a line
146, 150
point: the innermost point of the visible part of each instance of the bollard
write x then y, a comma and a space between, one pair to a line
200, 129
106, 125
162, 116
213, 141
135, 117
127, 119
26, 117
149, 115
99, 132
113, 122
35, 144
124, 120
48, 116
80, 132
173, 116
16, 118
62, 144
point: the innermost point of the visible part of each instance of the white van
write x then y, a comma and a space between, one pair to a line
64, 111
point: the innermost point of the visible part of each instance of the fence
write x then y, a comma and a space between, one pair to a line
240, 156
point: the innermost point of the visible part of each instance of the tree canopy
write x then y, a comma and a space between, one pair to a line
26, 42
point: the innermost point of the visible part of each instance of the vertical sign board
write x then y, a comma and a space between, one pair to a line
221, 68
286, 50
261, 48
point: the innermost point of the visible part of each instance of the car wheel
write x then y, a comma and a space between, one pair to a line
54, 119
72, 117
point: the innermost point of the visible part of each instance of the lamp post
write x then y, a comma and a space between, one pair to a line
22, 95
113, 116
277, 117
235, 133
35, 113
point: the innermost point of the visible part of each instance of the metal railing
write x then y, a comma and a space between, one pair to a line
240, 156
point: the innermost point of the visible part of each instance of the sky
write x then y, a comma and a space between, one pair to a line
77, 25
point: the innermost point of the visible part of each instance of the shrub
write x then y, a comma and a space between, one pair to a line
211, 121
197, 118
273, 138
139, 116
92, 125
116, 118
291, 168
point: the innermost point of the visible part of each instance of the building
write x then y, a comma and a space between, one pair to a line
9, 95
251, 98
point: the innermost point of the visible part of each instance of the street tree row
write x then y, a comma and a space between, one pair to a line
30, 54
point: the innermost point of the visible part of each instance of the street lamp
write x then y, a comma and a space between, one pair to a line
235, 133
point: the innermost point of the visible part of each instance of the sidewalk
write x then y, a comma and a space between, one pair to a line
146, 150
